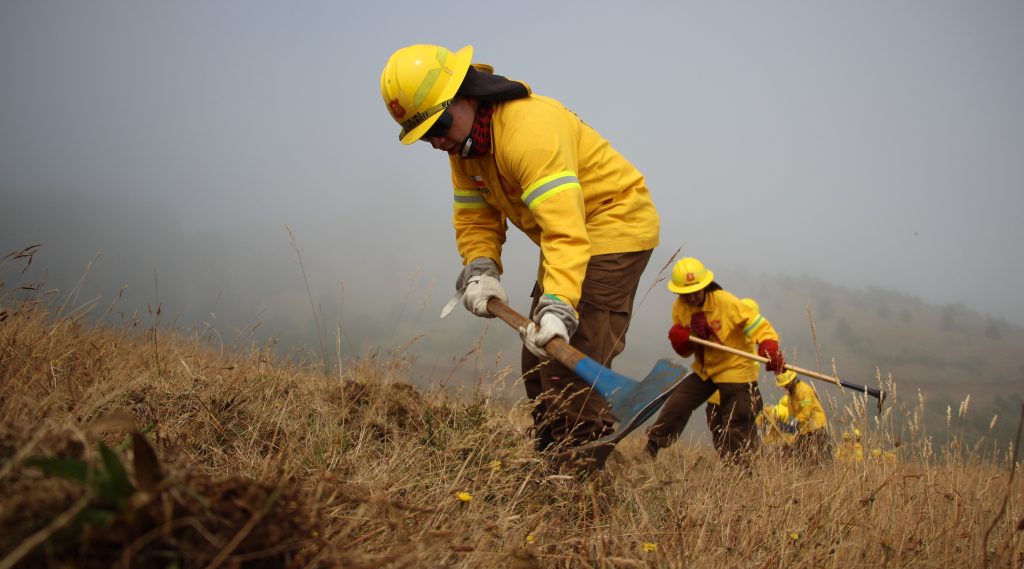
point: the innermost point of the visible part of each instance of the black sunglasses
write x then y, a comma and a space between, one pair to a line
440, 127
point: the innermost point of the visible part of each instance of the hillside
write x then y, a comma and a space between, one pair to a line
944, 354
143, 445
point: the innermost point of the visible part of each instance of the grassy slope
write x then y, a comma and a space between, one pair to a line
270, 464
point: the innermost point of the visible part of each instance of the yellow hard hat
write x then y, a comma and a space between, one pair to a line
782, 412
418, 84
689, 275
751, 303
785, 378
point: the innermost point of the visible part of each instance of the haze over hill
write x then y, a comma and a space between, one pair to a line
239, 288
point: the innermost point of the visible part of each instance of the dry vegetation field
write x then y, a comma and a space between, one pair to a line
137, 445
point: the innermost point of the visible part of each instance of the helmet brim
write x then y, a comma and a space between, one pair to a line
688, 289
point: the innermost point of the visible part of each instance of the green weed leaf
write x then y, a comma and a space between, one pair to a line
67, 468
117, 486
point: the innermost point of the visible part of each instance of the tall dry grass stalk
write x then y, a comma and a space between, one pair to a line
267, 463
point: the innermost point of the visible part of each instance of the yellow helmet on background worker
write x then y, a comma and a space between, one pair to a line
785, 378
852, 434
689, 275
418, 84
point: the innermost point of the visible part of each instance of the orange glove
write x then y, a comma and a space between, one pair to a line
770, 349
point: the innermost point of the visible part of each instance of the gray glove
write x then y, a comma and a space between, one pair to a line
480, 280
478, 266
553, 318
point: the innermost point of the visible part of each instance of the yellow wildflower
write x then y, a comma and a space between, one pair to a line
794, 536
648, 546
530, 538
464, 496
495, 464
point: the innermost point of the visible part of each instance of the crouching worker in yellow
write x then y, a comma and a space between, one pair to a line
812, 438
523, 159
704, 310
774, 426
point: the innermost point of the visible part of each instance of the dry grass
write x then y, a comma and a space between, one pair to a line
266, 463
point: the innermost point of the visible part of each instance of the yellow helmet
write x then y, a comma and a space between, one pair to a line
689, 275
418, 84
785, 378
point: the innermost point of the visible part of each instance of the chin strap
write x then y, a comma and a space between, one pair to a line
467, 146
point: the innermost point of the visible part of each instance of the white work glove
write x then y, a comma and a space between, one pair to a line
480, 289
476, 291
553, 318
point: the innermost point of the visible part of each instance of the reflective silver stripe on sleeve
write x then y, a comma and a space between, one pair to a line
546, 187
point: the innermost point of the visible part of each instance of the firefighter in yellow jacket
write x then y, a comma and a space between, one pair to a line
524, 159
774, 426
812, 438
705, 310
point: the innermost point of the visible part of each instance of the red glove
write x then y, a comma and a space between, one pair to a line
699, 326
770, 349
679, 336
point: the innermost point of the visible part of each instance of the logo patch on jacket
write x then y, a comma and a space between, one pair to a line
481, 186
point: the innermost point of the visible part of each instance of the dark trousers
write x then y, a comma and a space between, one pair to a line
741, 402
567, 408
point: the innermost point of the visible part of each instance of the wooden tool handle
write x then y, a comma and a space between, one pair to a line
557, 347
873, 392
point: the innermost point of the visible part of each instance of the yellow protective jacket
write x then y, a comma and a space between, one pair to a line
555, 178
805, 406
738, 325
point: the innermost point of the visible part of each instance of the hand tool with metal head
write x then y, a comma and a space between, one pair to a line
632, 402
873, 392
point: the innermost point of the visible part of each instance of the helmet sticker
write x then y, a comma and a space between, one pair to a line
396, 108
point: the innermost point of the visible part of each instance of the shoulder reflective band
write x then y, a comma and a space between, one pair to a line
549, 186
469, 199
753, 325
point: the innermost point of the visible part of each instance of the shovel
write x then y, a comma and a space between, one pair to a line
873, 392
632, 402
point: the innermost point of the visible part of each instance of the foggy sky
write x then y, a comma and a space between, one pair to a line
866, 144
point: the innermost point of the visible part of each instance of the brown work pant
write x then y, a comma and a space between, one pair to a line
567, 408
741, 402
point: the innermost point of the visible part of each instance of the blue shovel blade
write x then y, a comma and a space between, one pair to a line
631, 401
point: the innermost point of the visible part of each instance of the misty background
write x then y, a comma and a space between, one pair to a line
807, 152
